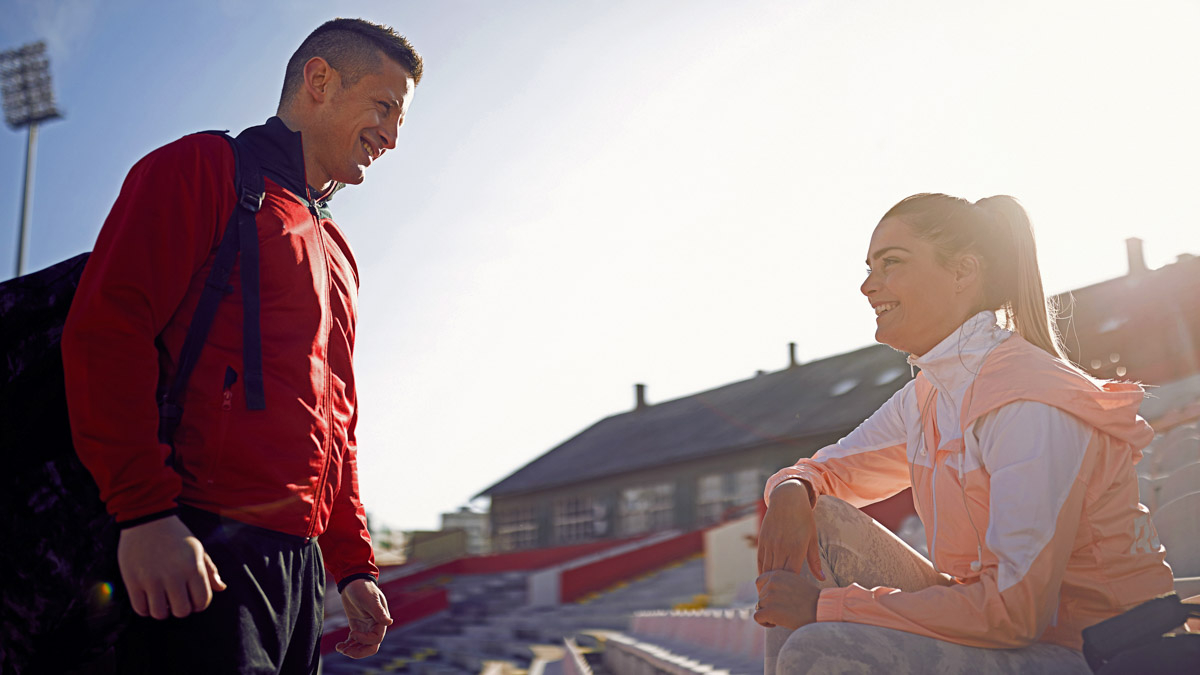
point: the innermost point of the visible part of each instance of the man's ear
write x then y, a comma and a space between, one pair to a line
319, 78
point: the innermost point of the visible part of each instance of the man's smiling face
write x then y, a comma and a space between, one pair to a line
358, 123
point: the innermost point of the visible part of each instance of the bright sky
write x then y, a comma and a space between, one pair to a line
596, 193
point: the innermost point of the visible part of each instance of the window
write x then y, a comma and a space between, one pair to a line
843, 386
888, 375
718, 492
748, 486
574, 520
515, 529
647, 508
710, 499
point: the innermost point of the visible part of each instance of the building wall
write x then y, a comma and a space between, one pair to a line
645, 501
476, 526
435, 546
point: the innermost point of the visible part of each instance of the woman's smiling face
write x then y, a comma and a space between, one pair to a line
917, 300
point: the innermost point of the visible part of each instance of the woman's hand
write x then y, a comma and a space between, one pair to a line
788, 535
786, 599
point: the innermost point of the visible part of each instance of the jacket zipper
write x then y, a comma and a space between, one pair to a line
933, 459
320, 488
933, 490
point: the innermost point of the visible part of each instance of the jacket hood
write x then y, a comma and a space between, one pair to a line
1017, 370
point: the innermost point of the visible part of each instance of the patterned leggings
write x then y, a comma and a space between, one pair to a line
856, 549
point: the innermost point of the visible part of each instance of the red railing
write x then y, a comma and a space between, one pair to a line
500, 562
579, 581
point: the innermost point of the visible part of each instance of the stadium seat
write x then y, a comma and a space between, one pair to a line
1175, 450
1181, 481
1179, 531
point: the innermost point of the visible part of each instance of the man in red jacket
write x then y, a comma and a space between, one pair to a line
237, 504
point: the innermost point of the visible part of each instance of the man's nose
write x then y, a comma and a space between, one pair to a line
390, 131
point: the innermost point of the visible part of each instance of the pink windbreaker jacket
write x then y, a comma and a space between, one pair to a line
1022, 471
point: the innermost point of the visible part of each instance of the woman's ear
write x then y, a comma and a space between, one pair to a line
968, 272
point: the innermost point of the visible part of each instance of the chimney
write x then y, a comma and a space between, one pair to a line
639, 396
792, 363
1137, 261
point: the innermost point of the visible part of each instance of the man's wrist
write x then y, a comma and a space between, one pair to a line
341, 586
149, 518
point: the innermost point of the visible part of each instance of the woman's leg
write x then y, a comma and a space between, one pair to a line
834, 648
857, 549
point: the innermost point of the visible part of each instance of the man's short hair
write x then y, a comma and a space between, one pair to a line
352, 47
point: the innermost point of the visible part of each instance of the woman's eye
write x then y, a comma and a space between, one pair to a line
385, 106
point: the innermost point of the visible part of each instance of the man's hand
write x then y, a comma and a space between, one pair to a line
166, 570
786, 599
366, 608
788, 535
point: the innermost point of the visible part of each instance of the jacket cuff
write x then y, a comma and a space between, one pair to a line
361, 575
792, 475
134, 522
830, 605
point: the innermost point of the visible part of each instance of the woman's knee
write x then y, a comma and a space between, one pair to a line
834, 513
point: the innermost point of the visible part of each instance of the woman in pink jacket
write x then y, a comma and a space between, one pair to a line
1022, 469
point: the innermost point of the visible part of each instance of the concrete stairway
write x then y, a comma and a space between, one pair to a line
488, 622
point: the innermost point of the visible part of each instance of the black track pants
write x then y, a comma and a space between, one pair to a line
268, 620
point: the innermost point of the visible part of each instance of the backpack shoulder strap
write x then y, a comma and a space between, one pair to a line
240, 234
249, 184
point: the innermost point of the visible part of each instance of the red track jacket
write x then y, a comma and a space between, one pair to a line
289, 468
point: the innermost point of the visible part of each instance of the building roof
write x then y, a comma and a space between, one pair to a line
1143, 326
832, 395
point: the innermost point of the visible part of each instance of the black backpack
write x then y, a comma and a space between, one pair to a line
1145, 639
63, 603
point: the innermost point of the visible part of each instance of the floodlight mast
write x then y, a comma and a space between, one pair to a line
28, 100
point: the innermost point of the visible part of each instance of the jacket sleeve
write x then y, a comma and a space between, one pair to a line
159, 232
1037, 457
346, 542
868, 465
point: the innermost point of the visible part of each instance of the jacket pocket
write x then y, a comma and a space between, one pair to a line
217, 450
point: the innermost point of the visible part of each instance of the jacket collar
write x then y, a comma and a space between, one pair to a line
955, 361
280, 152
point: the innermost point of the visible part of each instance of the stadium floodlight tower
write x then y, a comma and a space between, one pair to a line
28, 101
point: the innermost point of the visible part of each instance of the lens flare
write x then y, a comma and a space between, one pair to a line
102, 593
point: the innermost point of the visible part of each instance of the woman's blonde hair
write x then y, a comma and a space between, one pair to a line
999, 232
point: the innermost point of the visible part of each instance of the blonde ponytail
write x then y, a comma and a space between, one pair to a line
1022, 298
